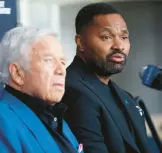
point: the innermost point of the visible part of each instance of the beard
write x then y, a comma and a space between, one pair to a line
104, 66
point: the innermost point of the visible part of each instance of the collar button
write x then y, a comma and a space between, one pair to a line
55, 119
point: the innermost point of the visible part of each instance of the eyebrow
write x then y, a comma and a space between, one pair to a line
124, 30
61, 58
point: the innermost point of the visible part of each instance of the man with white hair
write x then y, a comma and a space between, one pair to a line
32, 67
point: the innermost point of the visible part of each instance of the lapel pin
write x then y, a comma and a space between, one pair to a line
140, 110
80, 149
126, 102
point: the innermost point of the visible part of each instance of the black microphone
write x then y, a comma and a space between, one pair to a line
151, 76
150, 123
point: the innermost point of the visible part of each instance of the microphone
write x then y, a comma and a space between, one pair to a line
151, 76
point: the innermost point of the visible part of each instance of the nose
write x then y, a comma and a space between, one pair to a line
117, 45
60, 68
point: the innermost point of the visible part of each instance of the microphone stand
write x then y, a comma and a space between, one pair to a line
150, 123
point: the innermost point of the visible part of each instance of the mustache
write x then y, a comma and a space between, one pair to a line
116, 52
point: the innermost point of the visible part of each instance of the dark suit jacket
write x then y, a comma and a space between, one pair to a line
95, 121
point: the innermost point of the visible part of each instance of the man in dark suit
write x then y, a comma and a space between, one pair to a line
104, 117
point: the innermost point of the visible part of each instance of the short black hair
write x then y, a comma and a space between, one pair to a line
87, 13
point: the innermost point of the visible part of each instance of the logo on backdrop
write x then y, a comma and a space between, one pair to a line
3, 9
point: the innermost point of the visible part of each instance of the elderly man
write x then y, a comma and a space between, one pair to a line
32, 65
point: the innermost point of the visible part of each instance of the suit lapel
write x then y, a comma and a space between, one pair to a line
33, 123
69, 135
114, 112
134, 116
129, 106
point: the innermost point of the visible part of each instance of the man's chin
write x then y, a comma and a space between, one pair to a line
55, 98
116, 68
54, 101
110, 72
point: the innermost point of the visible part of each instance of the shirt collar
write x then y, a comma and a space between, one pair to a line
38, 106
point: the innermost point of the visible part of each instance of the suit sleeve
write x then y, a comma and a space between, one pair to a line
83, 116
8, 138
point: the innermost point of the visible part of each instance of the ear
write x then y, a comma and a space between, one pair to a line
17, 73
79, 42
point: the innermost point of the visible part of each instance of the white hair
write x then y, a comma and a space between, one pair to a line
15, 47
